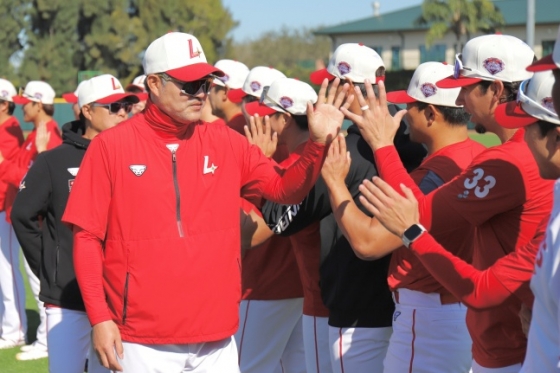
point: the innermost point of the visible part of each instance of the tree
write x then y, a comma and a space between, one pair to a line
460, 17
293, 52
11, 23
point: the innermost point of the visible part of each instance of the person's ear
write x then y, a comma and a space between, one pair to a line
154, 83
430, 113
87, 111
497, 88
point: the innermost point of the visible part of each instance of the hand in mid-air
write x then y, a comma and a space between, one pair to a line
395, 212
337, 164
42, 137
261, 135
106, 340
376, 124
326, 118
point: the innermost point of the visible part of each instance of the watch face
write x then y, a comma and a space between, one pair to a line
413, 232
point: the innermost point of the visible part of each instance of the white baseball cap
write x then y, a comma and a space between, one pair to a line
72, 97
550, 62
354, 61
235, 73
7, 90
283, 95
491, 58
180, 56
422, 87
103, 89
36, 91
258, 78
534, 103
138, 82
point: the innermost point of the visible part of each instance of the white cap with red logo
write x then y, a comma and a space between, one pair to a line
258, 78
422, 87
285, 95
235, 73
36, 91
103, 89
352, 61
7, 90
180, 56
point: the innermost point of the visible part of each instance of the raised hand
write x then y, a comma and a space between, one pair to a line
376, 124
261, 135
395, 212
337, 164
42, 137
326, 119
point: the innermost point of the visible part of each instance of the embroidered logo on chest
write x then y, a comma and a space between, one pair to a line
137, 169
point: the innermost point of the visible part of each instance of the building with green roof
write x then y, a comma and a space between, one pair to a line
400, 40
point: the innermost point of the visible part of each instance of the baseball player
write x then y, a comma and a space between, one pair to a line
354, 291
543, 341
138, 87
37, 101
271, 285
49, 181
72, 98
12, 308
162, 292
291, 129
500, 193
223, 107
429, 330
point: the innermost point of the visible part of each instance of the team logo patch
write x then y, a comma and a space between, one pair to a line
286, 102
38, 95
73, 170
428, 89
137, 169
548, 103
224, 78
4, 93
344, 68
255, 86
172, 147
493, 65
70, 184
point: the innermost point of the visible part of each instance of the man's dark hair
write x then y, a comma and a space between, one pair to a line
456, 116
545, 127
134, 89
510, 89
301, 121
11, 106
49, 109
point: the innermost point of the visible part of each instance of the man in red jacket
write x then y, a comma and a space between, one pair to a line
37, 101
156, 219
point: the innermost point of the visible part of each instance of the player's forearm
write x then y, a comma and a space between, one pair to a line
88, 265
393, 172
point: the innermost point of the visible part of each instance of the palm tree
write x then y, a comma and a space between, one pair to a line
461, 17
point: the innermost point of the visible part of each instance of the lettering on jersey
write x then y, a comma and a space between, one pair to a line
28, 147
22, 186
286, 218
207, 169
73, 170
137, 169
396, 315
70, 184
479, 184
193, 53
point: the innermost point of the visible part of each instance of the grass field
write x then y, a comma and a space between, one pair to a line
488, 139
8, 362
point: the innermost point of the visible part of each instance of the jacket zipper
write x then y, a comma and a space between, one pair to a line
56, 265
125, 300
177, 194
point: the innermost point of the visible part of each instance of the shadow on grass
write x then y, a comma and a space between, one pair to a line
33, 321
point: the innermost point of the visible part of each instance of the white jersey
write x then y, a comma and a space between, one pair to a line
543, 349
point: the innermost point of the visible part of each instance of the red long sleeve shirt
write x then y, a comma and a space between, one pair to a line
11, 138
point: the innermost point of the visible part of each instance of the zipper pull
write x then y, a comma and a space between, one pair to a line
174, 158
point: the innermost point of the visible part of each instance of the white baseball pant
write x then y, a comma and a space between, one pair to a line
357, 350
208, 357
509, 369
69, 338
13, 324
428, 337
316, 344
270, 336
35, 286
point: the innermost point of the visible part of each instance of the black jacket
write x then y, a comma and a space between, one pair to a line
47, 244
355, 291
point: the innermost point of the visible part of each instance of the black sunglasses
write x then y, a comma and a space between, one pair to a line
115, 107
195, 87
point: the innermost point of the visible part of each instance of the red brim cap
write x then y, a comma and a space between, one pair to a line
20, 100
511, 115
462, 81
71, 98
400, 97
130, 97
317, 77
544, 64
194, 72
236, 95
255, 107
142, 96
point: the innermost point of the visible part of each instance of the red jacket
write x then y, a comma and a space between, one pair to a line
165, 206
11, 138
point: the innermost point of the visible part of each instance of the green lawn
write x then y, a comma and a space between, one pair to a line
8, 362
488, 139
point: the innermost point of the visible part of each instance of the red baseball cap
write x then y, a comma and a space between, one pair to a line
550, 62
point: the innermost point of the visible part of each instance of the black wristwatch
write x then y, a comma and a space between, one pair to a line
412, 234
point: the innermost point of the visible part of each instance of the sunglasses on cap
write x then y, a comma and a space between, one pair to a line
459, 66
264, 96
522, 98
192, 88
115, 107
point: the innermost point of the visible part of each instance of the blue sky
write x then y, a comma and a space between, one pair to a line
258, 16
